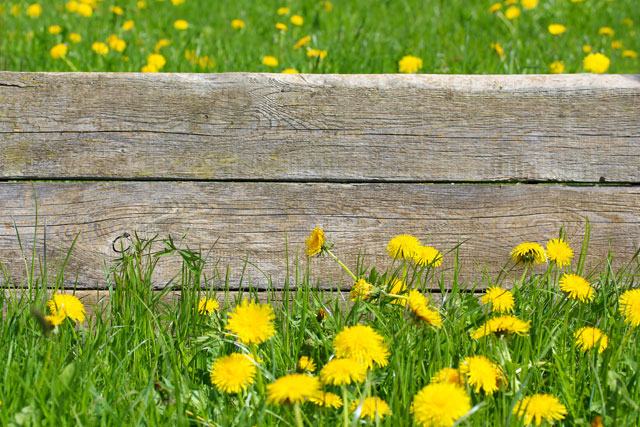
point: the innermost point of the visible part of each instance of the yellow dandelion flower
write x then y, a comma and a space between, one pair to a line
343, 371
628, 53
403, 246
316, 240
606, 31
586, 48
362, 343
180, 25
628, 22
177, 2
306, 363
448, 375
161, 44
142, 4
84, 10
510, 2
149, 68
596, 421
100, 48
128, 25
317, 53
208, 305
482, 373
397, 287
233, 373
529, 4
558, 251
540, 407
502, 325
236, 24
71, 6
495, 7
499, 50
427, 256
66, 306
252, 322
328, 6
589, 337
629, 306
75, 38
577, 288
290, 71
419, 306
280, 26
55, 319
292, 388
528, 253
501, 300
270, 61
284, 11
34, 10
55, 29
409, 64
372, 408
556, 29
302, 42
361, 290
326, 399
156, 60
440, 405
512, 12
117, 10
297, 20
58, 51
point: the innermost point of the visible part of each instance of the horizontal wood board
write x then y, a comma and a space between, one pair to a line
257, 220
339, 128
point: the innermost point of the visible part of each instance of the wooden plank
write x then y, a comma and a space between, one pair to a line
258, 220
345, 128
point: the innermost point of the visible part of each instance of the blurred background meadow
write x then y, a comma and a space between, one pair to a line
317, 36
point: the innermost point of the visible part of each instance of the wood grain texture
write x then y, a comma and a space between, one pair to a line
258, 221
344, 128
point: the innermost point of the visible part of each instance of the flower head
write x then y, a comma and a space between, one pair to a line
280, 26
529, 4
606, 31
512, 12
482, 373
284, 11
208, 305
440, 405
448, 375
362, 343
100, 48
63, 305
317, 53
326, 399
75, 38
292, 388
236, 24
495, 7
343, 371
304, 40
528, 253
58, 51
502, 325
297, 20
577, 288
629, 306
180, 25
556, 29
556, 67
409, 64
128, 25
315, 242
427, 256
589, 337
419, 306
84, 10
34, 10
540, 407
372, 408
290, 71
629, 53
306, 364
402, 246
558, 251
501, 300
596, 63
361, 290
156, 60
397, 287
233, 373
252, 322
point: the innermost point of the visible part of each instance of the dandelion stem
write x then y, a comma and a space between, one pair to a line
345, 407
298, 414
342, 265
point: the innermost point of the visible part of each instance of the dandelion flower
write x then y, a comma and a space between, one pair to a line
328, 6
586, 48
482, 373
128, 25
361, 290
596, 63
116, 10
409, 64
589, 337
161, 44
180, 25
156, 60
501, 300
63, 305
55, 29
495, 7
233, 373
427, 256
75, 38
558, 251
208, 305
290, 71
100, 48
149, 68
448, 375
177, 2
280, 26
499, 50
372, 408
343, 371
304, 40
606, 31
270, 61
528, 253
440, 405
306, 364
316, 239
284, 11
616, 44
628, 53
628, 22
512, 13
502, 325
34, 10
630, 306
529, 4
397, 287
418, 305
236, 24
362, 343
402, 246
577, 288
292, 388
58, 51
84, 10
297, 20
540, 407
556, 29
252, 322
317, 53
326, 399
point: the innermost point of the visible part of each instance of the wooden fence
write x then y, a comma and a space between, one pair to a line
253, 162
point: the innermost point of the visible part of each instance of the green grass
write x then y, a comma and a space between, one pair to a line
360, 36
140, 359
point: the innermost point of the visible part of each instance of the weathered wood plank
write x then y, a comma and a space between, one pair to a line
258, 220
346, 128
